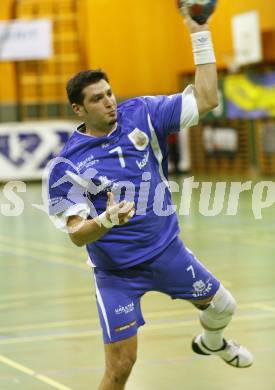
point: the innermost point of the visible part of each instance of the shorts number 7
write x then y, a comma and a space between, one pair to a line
190, 268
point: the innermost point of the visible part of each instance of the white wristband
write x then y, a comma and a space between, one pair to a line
104, 221
203, 48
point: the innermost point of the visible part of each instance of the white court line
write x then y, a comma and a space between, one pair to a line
28, 371
38, 255
11, 305
50, 325
150, 315
148, 327
52, 302
45, 246
42, 293
60, 336
263, 306
230, 236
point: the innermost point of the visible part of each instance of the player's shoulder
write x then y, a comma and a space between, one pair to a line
72, 143
132, 104
146, 103
65, 160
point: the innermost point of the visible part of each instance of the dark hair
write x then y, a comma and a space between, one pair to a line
81, 80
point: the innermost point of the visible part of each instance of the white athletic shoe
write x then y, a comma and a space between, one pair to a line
232, 353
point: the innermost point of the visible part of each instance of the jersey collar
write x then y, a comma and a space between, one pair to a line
81, 127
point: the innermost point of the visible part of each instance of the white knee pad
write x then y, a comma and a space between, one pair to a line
220, 311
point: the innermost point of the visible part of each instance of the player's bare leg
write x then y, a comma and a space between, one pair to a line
119, 360
216, 313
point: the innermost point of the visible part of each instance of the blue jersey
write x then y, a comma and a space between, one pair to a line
132, 163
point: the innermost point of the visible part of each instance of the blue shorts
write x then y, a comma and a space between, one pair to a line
175, 272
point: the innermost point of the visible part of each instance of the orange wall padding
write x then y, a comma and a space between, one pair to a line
7, 69
143, 45
139, 43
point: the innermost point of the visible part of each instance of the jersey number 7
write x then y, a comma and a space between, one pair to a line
118, 150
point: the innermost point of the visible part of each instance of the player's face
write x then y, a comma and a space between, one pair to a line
99, 106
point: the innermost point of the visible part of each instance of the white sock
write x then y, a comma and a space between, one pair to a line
213, 339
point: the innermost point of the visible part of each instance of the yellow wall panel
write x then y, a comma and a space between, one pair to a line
135, 42
7, 69
143, 44
221, 23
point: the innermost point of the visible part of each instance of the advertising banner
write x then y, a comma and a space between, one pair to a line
26, 40
25, 148
250, 96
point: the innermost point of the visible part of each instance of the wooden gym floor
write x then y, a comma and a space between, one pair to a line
50, 336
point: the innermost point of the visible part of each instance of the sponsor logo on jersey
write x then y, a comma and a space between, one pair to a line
88, 162
110, 143
201, 288
105, 145
141, 164
125, 309
139, 139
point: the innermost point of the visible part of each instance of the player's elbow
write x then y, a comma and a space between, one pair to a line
207, 100
208, 104
211, 104
214, 101
75, 225
76, 240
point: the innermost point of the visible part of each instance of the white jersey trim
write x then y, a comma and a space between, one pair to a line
102, 307
157, 151
189, 110
60, 220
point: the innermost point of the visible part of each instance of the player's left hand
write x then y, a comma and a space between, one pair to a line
119, 213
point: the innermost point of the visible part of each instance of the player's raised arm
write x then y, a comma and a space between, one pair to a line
206, 90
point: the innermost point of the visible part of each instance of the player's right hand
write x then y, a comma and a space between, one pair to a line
119, 213
191, 24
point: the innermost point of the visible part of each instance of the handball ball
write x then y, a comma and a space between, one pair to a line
199, 10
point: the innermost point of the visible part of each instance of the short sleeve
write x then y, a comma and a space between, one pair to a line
189, 111
60, 220
169, 114
65, 188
